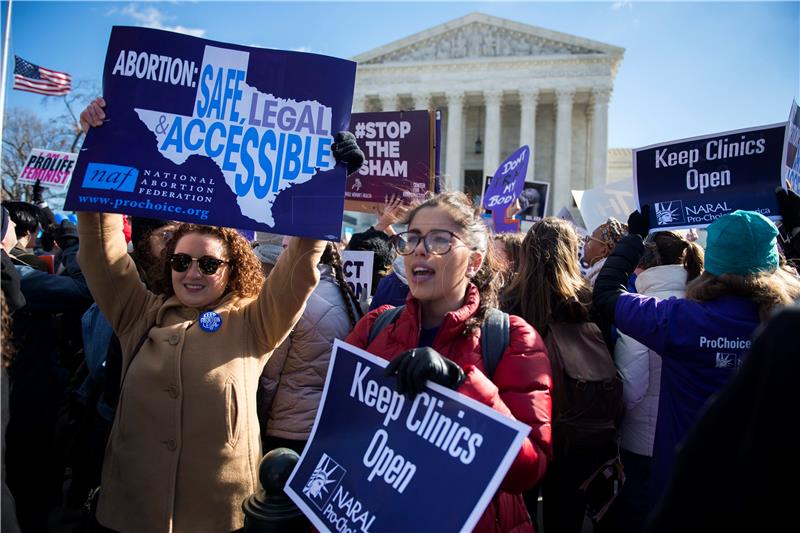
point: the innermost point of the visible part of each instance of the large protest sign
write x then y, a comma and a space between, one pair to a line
377, 461
505, 187
52, 169
692, 182
615, 199
357, 268
217, 133
399, 158
790, 169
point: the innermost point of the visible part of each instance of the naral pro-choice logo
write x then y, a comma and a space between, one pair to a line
328, 472
669, 212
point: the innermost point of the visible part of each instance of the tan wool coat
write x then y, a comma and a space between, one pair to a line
184, 448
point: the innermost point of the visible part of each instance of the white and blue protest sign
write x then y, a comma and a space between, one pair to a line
377, 461
357, 267
692, 182
217, 133
505, 187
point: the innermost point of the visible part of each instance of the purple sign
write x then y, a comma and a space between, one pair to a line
505, 187
217, 133
397, 146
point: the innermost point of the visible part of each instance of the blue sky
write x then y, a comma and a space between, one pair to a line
689, 68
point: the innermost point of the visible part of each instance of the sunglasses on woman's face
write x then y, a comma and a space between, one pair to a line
208, 265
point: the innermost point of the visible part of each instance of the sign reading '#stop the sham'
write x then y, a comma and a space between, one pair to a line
217, 133
377, 461
692, 182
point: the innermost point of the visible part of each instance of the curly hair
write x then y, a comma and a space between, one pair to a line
476, 234
331, 257
246, 278
150, 267
767, 289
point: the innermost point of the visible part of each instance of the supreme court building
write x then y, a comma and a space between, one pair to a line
501, 84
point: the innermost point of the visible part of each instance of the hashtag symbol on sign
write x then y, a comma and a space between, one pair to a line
360, 130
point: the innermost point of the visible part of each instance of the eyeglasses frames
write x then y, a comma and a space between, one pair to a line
208, 265
437, 241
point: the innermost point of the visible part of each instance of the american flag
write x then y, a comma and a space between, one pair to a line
36, 79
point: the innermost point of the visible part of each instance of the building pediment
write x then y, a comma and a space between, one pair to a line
483, 36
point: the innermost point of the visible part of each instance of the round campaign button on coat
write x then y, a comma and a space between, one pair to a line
210, 321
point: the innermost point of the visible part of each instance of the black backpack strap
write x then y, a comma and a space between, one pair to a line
383, 320
495, 336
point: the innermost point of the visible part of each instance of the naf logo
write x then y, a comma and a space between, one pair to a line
328, 472
669, 212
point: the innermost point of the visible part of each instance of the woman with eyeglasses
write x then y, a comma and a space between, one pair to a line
453, 281
597, 246
185, 446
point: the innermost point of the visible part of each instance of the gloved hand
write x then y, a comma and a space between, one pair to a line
345, 149
788, 208
639, 222
65, 234
38, 193
414, 367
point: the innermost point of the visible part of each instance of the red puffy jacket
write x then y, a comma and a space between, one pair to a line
520, 389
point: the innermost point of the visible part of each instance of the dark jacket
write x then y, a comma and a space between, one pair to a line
701, 345
11, 283
736, 469
520, 389
29, 258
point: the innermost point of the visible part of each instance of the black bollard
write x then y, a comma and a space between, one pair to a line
270, 509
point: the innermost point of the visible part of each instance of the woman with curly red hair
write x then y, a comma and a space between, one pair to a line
185, 446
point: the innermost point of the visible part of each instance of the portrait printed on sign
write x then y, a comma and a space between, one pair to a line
216, 133
533, 200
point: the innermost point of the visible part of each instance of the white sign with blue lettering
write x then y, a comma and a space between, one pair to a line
357, 267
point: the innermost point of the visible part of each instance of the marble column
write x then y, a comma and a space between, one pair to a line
359, 104
455, 148
390, 102
528, 98
599, 142
422, 101
562, 178
491, 132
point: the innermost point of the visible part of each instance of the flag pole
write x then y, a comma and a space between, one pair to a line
4, 75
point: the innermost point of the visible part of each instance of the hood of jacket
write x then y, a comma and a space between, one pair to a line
662, 281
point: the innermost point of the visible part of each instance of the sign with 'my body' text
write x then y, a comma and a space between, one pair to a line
398, 149
505, 187
377, 461
218, 134
692, 182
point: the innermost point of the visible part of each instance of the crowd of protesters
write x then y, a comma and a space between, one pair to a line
119, 408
